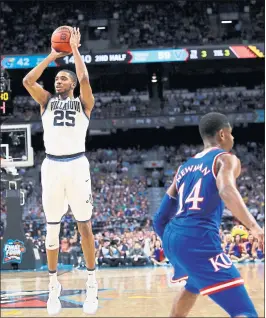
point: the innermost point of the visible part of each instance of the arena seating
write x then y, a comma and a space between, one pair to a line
135, 104
138, 24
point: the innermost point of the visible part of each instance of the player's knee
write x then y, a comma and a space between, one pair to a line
85, 229
52, 236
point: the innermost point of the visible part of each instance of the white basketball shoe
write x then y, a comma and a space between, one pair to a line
90, 305
53, 303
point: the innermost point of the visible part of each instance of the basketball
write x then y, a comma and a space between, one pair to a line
60, 39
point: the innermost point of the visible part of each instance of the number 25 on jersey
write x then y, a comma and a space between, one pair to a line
193, 197
62, 118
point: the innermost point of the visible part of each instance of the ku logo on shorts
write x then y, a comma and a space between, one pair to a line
220, 261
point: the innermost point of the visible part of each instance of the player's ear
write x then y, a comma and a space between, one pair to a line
221, 134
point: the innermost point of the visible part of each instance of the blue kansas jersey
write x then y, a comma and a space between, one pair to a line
199, 203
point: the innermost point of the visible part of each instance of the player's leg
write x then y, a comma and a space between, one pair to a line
53, 196
187, 294
242, 305
87, 244
186, 297
78, 191
215, 275
183, 303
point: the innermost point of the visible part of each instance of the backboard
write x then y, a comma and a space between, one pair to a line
16, 150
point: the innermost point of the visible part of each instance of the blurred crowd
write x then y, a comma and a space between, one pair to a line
239, 249
137, 104
122, 215
186, 23
137, 24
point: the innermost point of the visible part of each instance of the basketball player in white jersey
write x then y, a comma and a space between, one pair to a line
65, 170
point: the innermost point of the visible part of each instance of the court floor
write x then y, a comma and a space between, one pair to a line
123, 292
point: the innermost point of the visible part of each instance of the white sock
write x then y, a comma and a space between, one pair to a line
91, 276
53, 278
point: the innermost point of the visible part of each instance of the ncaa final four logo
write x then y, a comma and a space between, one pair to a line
13, 251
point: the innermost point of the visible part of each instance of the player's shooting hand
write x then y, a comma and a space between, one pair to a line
56, 55
75, 38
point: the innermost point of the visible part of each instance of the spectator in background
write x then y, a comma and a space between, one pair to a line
227, 242
153, 240
115, 250
249, 245
74, 249
106, 255
259, 250
124, 251
64, 250
137, 255
237, 250
158, 257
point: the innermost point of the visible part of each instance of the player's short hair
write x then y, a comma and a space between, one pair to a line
72, 75
211, 123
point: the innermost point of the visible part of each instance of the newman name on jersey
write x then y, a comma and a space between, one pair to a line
65, 126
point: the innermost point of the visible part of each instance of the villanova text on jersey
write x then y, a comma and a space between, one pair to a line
70, 105
199, 203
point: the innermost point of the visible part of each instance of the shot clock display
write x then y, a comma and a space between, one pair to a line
5, 103
5, 94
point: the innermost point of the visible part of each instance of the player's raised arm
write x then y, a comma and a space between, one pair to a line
39, 94
228, 171
86, 95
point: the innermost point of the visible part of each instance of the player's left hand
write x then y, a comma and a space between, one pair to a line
75, 38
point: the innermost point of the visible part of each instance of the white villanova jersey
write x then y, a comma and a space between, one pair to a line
65, 126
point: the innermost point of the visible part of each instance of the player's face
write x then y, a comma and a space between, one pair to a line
63, 83
226, 138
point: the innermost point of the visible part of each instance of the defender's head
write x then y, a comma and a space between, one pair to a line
215, 128
65, 82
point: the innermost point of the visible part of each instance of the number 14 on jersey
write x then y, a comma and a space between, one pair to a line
194, 197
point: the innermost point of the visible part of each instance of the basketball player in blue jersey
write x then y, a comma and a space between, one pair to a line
66, 170
189, 218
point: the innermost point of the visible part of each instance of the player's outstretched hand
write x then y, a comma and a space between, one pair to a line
57, 55
75, 38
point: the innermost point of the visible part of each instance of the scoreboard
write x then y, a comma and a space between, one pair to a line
184, 54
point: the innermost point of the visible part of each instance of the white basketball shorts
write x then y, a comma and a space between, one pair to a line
63, 183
